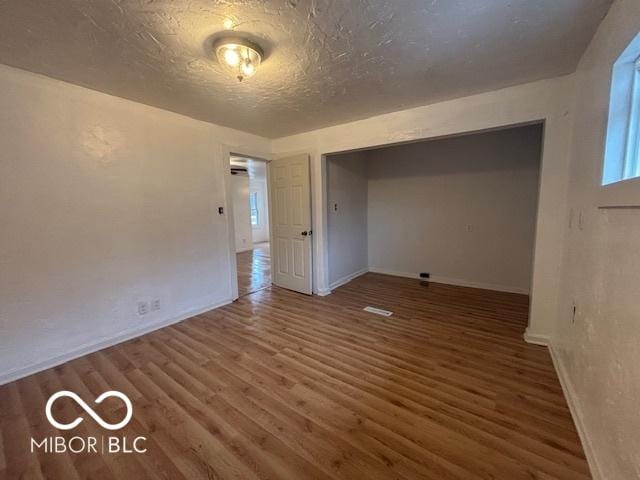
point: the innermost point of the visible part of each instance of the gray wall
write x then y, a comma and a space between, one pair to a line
463, 209
347, 226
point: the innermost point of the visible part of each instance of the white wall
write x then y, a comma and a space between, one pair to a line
598, 353
547, 100
347, 226
462, 209
241, 212
48, 122
104, 203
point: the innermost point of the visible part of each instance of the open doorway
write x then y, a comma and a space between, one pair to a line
459, 210
250, 196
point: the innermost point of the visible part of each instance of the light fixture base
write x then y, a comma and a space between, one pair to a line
238, 55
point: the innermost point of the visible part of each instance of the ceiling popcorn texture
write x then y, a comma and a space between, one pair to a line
327, 61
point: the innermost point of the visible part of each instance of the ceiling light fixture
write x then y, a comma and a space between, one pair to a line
238, 55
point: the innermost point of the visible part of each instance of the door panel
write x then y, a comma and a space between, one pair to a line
297, 216
291, 187
298, 258
281, 207
281, 258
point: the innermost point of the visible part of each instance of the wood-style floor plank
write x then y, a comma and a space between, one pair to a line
280, 385
254, 269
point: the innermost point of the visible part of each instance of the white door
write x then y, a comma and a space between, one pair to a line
290, 189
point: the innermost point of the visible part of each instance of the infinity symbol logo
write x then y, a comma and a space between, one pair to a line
89, 410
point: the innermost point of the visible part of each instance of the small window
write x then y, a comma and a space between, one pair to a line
253, 205
622, 151
632, 163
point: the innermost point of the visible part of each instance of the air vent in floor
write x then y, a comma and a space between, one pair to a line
378, 311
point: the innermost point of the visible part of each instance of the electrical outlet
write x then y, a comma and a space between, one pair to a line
155, 304
143, 308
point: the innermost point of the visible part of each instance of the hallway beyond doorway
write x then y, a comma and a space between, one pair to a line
254, 269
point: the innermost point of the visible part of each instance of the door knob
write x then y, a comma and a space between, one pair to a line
305, 233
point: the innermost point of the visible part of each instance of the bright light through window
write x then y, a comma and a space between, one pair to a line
622, 153
253, 205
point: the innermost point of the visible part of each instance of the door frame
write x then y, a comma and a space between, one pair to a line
227, 151
312, 226
225, 158
542, 304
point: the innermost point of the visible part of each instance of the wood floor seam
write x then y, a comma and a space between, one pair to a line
282, 386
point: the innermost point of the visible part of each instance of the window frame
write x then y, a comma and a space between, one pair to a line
253, 206
631, 166
620, 175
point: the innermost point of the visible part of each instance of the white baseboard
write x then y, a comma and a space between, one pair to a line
346, 279
452, 281
10, 376
536, 338
576, 413
323, 292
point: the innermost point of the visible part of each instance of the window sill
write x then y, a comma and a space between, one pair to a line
623, 194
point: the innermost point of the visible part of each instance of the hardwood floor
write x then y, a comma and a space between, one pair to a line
284, 386
254, 269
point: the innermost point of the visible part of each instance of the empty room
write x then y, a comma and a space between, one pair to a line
320, 240
250, 199
459, 211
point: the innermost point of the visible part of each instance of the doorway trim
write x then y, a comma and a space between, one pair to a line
544, 300
324, 236
227, 152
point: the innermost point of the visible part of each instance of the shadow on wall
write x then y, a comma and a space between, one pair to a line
463, 209
464, 154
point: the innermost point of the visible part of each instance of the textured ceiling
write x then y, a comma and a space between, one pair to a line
328, 61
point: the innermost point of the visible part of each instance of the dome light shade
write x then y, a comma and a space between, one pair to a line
238, 56
231, 57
